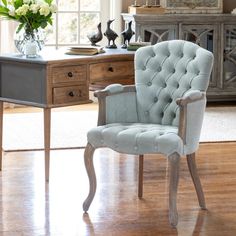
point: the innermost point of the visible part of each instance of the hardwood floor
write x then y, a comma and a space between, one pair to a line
30, 207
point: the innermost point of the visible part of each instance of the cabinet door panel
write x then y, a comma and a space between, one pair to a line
229, 64
158, 33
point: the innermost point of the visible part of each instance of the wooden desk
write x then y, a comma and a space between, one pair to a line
55, 80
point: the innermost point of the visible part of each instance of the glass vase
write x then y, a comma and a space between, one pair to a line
29, 43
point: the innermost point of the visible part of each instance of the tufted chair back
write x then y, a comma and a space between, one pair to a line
165, 72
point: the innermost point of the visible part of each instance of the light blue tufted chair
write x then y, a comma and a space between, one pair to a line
161, 113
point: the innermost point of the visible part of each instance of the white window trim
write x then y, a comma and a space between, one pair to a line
104, 15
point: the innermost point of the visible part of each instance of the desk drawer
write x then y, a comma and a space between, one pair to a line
68, 74
109, 70
70, 94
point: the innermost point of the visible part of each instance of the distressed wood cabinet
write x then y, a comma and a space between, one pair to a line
215, 32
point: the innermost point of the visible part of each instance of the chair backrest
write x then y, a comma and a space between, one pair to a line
166, 71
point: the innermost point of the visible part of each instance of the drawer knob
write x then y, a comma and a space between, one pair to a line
110, 69
70, 74
71, 94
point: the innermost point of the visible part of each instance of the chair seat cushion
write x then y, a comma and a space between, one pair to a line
137, 138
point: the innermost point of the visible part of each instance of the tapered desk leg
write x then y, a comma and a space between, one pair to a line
1, 132
47, 132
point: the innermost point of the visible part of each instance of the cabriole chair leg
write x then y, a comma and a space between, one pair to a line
196, 180
88, 160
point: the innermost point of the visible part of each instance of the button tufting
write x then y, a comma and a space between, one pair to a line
159, 69
146, 113
177, 86
155, 99
173, 71
149, 83
185, 71
170, 100
144, 68
162, 114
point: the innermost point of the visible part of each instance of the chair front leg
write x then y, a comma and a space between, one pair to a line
88, 160
140, 176
173, 160
196, 180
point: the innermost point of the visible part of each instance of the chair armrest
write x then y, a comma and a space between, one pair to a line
192, 106
117, 103
114, 89
191, 96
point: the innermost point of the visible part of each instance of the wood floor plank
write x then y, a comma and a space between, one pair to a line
30, 207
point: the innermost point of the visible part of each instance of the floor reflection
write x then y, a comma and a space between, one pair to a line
30, 207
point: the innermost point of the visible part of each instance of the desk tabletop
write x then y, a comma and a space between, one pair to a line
47, 56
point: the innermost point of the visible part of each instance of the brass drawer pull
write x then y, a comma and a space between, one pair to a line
110, 69
71, 94
70, 74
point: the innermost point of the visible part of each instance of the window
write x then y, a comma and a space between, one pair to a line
74, 20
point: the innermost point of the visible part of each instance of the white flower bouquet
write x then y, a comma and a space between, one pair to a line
31, 14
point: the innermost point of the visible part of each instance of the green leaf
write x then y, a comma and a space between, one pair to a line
43, 24
4, 2
50, 21
20, 27
48, 1
18, 3
3, 9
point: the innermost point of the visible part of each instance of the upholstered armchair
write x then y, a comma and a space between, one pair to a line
161, 113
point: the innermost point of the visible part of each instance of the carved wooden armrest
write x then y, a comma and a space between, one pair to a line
189, 99
114, 89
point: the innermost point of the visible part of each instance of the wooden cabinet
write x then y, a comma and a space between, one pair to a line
215, 32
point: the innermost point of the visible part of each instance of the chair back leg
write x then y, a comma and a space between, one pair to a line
174, 161
88, 160
140, 176
196, 180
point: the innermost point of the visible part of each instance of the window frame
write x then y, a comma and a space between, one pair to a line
103, 12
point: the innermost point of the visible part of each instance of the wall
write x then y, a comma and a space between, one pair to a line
229, 5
